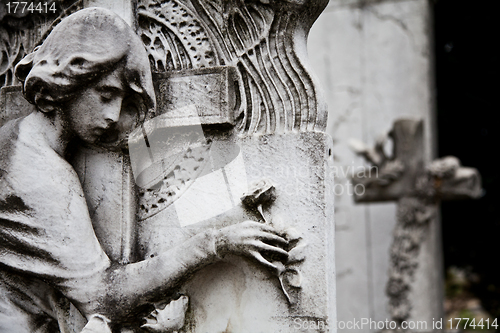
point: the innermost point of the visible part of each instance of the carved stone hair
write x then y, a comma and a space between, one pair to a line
82, 48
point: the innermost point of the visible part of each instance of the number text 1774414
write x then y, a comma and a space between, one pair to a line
22, 7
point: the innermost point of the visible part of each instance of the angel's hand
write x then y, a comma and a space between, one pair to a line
169, 319
253, 239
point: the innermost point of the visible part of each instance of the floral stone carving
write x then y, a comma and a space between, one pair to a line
262, 194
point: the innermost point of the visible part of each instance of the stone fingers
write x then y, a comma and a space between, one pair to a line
268, 229
266, 247
263, 261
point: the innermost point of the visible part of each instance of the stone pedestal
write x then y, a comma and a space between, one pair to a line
374, 60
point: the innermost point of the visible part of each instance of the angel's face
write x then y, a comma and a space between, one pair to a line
92, 112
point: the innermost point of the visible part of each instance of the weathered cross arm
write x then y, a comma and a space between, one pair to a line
405, 174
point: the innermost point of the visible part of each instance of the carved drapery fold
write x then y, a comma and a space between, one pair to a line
259, 38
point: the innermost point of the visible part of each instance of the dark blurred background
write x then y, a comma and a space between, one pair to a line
467, 75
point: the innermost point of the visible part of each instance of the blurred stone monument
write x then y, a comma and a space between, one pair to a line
375, 61
237, 106
403, 176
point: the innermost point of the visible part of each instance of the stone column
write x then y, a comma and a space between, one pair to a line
236, 83
375, 62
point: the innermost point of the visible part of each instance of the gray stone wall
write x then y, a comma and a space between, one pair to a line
374, 60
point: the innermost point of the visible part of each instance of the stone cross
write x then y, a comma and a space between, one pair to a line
418, 189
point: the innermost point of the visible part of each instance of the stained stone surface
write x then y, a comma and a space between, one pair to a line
237, 294
211, 90
374, 60
13, 104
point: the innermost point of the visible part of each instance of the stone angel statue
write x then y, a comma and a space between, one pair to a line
82, 79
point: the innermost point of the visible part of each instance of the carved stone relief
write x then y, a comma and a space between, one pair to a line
260, 39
